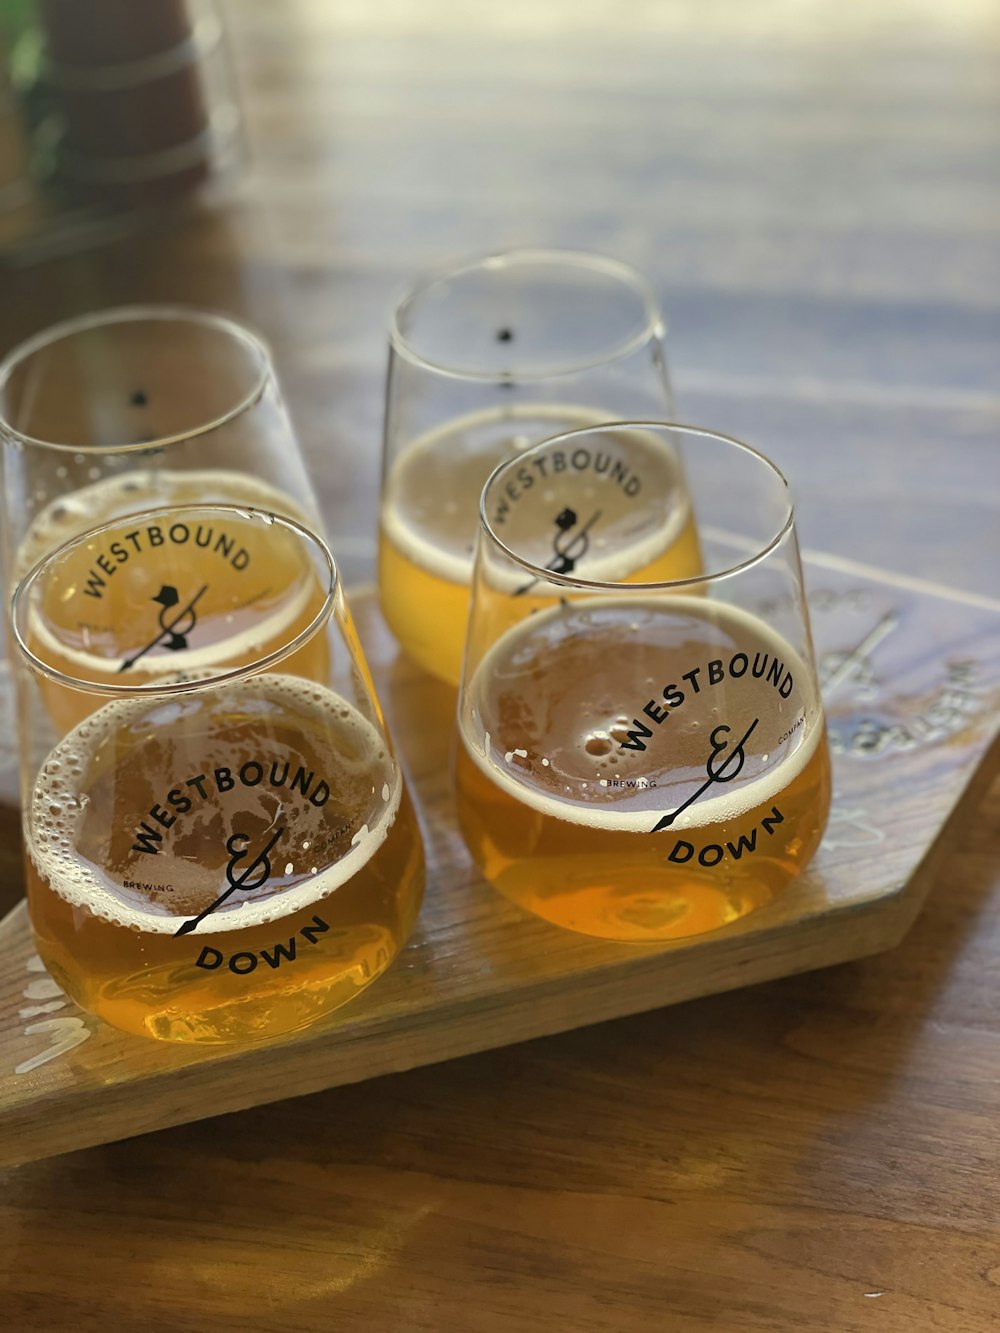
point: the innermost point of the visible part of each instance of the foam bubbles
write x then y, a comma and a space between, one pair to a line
56, 819
435, 538
105, 498
595, 752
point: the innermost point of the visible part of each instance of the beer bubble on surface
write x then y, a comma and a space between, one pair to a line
598, 743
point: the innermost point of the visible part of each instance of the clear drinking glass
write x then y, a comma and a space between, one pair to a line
134, 407
485, 361
218, 840
640, 757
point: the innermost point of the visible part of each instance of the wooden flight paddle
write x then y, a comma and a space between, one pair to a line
911, 676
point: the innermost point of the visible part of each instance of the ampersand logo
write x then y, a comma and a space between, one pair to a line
254, 876
569, 544
173, 633
726, 771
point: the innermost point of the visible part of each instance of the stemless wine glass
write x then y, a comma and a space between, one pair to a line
640, 758
218, 841
484, 361
138, 406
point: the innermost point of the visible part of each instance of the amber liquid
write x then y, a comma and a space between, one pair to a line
90, 506
430, 519
129, 837
100, 616
559, 815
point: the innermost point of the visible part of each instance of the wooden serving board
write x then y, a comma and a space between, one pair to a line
912, 684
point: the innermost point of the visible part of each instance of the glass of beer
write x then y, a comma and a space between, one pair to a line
484, 361
135, 407
218, 840
640, 757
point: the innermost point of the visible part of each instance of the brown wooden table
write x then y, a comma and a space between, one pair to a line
815, 189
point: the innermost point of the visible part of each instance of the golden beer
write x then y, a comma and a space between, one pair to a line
143, 488
182, 595
430, 509
642, 768
221, 866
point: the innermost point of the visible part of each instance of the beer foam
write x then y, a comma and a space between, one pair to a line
58, 807
117, 496
498, 767
446, 546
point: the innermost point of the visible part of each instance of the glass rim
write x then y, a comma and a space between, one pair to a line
20, 606
621, 585
136, 314
627, 274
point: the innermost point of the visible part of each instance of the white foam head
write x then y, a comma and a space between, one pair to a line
442, 467
504, 768
57, 811
73, 513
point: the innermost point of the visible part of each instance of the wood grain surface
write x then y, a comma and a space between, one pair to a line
814, 190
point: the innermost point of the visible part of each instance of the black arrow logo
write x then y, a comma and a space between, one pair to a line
246, 881
569, 546
736, 757
173, 634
